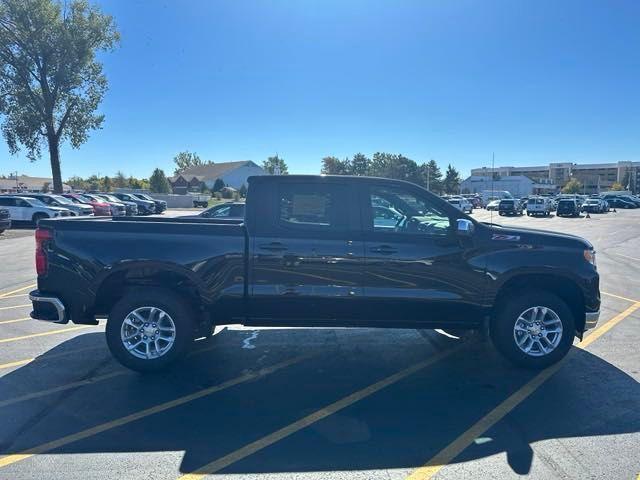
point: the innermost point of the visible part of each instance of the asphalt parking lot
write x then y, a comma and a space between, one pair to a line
325, 403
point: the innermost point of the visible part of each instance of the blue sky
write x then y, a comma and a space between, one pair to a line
533, 81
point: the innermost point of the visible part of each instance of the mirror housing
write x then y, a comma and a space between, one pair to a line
464, 227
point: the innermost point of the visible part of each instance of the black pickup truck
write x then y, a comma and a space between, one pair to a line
317, 251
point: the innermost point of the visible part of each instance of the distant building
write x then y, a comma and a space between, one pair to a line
233, 174
517, 185
595, 177
23, 183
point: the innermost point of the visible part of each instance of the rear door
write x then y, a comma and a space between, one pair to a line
10, 204
306, 254
417, 271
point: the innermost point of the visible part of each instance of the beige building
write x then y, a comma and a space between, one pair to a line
23, 183
596, 177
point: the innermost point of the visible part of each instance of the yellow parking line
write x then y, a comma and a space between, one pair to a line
621, 298
62, 388
451, 451
6, 294
15, 321
304, 422
43, 334
48, 356
79, 383
46, 447
14, 296
15, 306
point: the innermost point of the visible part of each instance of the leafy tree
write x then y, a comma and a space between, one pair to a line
243, 190
360, 164
626, 179
451, 182
120, 180
617, 186
139, 183
185, 160
77, 183
46, 187
158, 182
271, 163
94, 182
431, 176
389, 165
218, 185
107, 184
50, 81
335, 166
572, 186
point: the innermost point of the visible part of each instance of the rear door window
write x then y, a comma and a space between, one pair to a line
312, 206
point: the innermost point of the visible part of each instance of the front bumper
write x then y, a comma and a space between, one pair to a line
591, 320
47, 308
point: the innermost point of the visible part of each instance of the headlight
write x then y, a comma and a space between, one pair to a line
590, 256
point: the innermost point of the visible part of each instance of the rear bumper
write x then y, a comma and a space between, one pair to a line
47, 308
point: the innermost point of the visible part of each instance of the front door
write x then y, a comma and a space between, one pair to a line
306, 255
417, 270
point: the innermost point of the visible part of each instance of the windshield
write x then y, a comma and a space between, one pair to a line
35, 202
62, 199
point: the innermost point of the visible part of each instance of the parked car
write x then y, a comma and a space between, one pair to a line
461, 204
145, 207
5, 220
161, 205
510, 206
130, 208
27, 209
568, 207
493, 205
617, 202
539, 206
100, 207
229, 210
54, 200
593, 205
299, 258
117, 209
201, 200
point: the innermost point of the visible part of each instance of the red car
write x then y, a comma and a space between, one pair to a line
99, 208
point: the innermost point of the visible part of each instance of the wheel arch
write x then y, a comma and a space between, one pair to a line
113, 284
563, 287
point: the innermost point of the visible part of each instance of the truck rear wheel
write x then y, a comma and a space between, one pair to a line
533, 330
149, 329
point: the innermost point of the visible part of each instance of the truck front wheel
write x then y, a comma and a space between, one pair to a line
533, 330
149, 329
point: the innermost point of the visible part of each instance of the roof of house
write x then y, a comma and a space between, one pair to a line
25, 181
215, 170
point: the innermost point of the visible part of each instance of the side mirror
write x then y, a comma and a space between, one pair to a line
464, 227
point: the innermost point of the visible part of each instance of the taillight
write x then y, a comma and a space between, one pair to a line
42, 236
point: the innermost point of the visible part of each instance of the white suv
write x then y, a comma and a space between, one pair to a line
27, 209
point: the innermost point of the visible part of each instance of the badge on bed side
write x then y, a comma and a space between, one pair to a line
506, 238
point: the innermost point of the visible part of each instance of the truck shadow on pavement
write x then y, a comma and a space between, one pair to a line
400, 426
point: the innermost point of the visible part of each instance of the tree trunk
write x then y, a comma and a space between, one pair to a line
54, 154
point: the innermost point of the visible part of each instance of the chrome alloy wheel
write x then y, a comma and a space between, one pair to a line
148, 332
538, 331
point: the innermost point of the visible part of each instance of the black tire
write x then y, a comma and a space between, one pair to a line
504, 321
178, 310
37, 217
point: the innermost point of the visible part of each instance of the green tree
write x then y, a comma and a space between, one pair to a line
50, 81
107, 184
626, 180
94, 182
218, 185
77, 183
334, 166
243, 190
617, 186
431, 176
185, 160
399, 167
271, 164
360, 164
572, 186
120, 180
451, 182
158, 182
